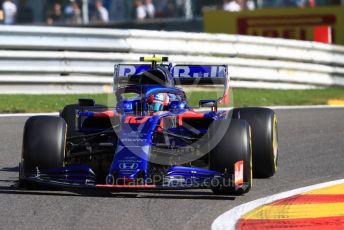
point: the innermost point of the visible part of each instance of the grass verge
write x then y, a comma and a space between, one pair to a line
240, 97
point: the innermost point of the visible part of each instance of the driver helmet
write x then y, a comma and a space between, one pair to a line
159, 101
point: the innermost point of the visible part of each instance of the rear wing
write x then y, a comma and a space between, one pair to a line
181, 74
200, 74
122, 72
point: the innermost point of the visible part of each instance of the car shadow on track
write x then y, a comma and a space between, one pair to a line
187, 194
10, 169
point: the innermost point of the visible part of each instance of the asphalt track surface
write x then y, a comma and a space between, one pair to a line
311, 144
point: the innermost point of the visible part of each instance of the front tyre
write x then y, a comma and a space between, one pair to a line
44, 142
234, 146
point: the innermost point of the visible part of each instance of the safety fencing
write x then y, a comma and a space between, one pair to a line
78, 60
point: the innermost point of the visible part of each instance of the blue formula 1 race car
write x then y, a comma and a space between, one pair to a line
153, 138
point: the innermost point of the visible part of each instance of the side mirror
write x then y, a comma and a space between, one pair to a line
209, 104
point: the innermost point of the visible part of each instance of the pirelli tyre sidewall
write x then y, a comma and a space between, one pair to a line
44, 143
263, 122
234, 146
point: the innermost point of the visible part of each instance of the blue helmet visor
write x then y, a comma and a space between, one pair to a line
156, 107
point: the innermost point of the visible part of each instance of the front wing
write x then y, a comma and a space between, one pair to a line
177, 177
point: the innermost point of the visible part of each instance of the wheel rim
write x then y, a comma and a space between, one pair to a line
65, 141
251, 174
275, 142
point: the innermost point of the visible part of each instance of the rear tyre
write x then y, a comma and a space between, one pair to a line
234, 146
263, 122
44, 142
69, 114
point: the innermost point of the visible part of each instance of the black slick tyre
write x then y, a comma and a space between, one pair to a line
263, 123
44, 143
234, 146
69, 114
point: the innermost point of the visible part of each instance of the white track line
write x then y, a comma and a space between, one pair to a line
306, 107
27, 114
229, 219
283, 107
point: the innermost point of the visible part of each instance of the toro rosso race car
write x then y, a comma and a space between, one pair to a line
152, 138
